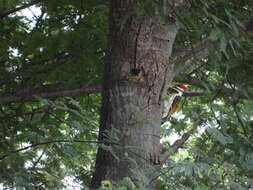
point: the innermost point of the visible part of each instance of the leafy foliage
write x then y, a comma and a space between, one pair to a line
125, 184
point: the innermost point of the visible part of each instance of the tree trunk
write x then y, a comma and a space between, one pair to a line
136, 70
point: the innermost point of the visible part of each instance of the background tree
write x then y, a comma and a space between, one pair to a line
62, 50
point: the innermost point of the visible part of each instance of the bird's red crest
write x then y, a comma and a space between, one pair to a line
182, 87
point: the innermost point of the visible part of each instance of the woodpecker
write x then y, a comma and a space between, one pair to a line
173, 101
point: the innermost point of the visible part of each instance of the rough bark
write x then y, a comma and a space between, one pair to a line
136, 70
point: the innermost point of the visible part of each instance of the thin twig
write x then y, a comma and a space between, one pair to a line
7, 13
46, 143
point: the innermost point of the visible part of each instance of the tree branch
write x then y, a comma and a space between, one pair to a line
46, 143
59, 59
197, 51
5, 14
192, 81
200, 50
50, 92
27, 96
179, 143
192, 94
200, 84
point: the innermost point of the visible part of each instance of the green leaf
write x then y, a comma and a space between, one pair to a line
217, 135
